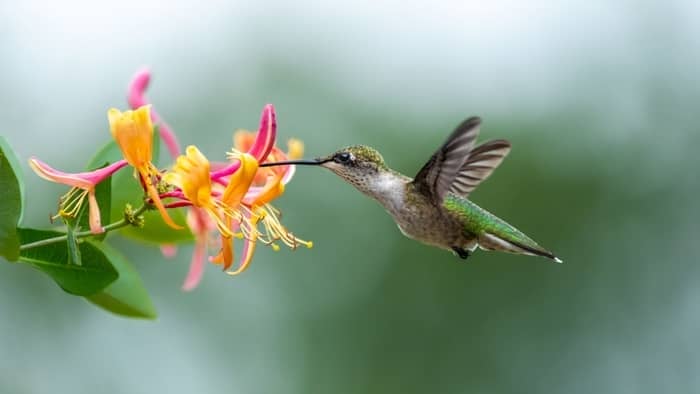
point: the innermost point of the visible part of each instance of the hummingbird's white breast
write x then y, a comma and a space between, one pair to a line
390, 190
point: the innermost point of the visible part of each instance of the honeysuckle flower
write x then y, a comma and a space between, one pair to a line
82, 185
231, 199
191, 174
234, 198
243, 141
261, 210
137, 98
192, 178
256, 210
198, 220
261, 147
269, 184
133, 132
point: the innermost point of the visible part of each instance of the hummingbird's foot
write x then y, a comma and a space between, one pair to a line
462, 253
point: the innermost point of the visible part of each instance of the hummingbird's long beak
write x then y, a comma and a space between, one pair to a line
313, 162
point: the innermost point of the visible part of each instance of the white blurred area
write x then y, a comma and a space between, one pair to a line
490, 58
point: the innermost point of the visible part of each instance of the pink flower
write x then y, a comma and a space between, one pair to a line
201, 225
231, 199
234, 199
83, 184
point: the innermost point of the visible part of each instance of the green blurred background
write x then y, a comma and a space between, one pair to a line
600, 100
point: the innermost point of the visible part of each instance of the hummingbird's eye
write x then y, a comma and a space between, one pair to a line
343, 157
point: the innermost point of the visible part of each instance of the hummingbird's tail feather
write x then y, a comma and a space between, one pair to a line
490, 241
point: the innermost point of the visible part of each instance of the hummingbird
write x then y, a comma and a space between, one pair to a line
433, 207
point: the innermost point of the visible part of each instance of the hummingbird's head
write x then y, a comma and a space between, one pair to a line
357, 164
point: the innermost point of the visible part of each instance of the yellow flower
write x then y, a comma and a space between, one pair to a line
270, 216
237, 196
256, 209
273, 180
133, 132
231, 199
191, 174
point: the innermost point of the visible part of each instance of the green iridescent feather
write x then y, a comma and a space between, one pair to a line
479, 221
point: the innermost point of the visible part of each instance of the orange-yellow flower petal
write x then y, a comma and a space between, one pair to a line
147, 177
240, 181
251, 204
191, 173
272, 189
233, 194
133, 132
225, 255
243, 140
247, 254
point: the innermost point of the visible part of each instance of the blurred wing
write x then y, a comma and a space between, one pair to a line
437, 175
481, 162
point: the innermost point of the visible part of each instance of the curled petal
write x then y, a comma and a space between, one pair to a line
240, 181
200, 224
136, 98
295, 151
272, 189
191, 174
94, 214
225, 256
246, 257
133, 132
82, 180
248, 243
196, 271
238, 185
85, 181
226, 170
243, 140
289, 174
146, 178
267, 133
137, 88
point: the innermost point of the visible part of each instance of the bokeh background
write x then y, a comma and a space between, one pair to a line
600, 100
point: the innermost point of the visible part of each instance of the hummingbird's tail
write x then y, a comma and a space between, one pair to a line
505, 243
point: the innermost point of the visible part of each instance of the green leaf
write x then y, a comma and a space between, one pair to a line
126, 296
127, 190
11, 209
95, 273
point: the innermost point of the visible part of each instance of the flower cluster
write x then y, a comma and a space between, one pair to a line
230, 199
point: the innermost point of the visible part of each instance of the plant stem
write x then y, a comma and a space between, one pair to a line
112, 226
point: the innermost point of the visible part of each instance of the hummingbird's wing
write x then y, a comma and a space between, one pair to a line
479, 165
437, 175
